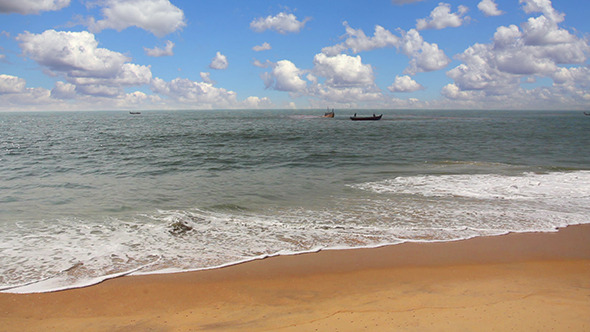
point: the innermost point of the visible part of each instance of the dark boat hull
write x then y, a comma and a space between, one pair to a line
366, 118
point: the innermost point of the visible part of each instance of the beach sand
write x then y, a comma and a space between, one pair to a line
520, 282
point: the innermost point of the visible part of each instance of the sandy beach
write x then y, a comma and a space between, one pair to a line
520, 282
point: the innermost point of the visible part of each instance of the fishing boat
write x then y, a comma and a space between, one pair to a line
587, 113
366, 118
329, 114
134, 113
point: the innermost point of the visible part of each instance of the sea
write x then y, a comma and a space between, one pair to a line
88, 196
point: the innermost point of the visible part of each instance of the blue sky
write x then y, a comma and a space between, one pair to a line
167, 54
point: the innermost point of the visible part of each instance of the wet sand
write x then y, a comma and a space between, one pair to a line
520, 282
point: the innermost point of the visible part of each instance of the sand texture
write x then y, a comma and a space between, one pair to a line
519, 282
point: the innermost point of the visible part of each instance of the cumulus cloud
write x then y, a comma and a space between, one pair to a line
158, 52
198, 94
26, 7
424, 56
489, 8
343, 70
352, 95
441, 17
63, 90
285, 76
543, 6
11, 84
257, 102
75, 53
206, 77
282, 23
357, 41
568, 76
264, 47
539, 48
340, 78
543, 31
77, 57
219, 62
159, 17
404, 84
14, 93
345, 79
260, 64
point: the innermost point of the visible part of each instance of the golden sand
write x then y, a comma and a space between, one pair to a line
519, 282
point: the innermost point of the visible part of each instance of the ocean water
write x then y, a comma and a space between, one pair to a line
86, 196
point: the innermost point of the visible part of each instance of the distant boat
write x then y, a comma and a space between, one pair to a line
366, 118
586, 113
329, 114
134, 113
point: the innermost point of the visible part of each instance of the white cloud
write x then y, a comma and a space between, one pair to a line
543, 6
75, 53
343, 70
219, 62
441, 17
353, 95
489, 8
479, 72
574, 75
541, 48
206, 77
256, 102
76, 56
346, 79
31, 6
137, 98
11, 84
357, 41
159, 17
63, 90
99, 90
405, 84
282, 23
158, 52
340, 78
543, 31
425, 57
264, 47
15, 95
197, 94
66, 96
259, 64
285, 76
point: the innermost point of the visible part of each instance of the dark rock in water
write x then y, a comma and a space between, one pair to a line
180, 227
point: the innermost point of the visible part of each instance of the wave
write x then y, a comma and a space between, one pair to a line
526, 186
48, 255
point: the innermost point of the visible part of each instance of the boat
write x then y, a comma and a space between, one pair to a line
366, 118
134, 113
329, 114
586, 113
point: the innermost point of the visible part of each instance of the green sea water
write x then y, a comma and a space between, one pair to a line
85, 196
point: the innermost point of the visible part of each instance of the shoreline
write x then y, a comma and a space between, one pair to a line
519, 280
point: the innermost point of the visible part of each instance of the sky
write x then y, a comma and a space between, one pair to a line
252, 54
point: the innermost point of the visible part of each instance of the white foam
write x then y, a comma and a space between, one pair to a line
527, 186
67, 253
